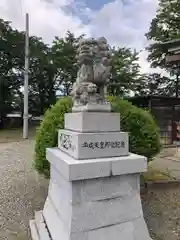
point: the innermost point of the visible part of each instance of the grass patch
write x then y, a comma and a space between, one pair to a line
156, 175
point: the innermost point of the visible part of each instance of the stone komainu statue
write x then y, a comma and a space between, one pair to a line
94, 60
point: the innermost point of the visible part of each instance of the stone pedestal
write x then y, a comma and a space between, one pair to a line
94, 189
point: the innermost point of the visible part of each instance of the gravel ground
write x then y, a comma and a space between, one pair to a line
162, 213
22, 192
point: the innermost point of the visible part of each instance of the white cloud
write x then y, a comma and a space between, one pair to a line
145, 65
47, 19
126, 24
123, 22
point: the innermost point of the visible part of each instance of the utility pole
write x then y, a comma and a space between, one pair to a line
26, 114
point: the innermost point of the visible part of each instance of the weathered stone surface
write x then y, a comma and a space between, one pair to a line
72, 199
124, 231
92, 122
92, 215
93, 145
56, 227
140, 230
95, 189
94, 58
38, 228
41, 226
89, 107
131, 230
85, 211
65, 186
73, 169
33, 230
124, 186
62, 204
130, 164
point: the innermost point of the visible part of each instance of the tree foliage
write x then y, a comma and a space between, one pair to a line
53, 70
165, 27
125, 72
153, 84
64, 60
10, 64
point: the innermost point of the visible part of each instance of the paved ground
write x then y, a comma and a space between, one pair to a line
168, 162
22, 192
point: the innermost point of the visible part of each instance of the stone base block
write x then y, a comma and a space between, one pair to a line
92, 122
98, 189
72, 169
101, 208
93, 145
92, 199
89, 215
130, 230
135, 230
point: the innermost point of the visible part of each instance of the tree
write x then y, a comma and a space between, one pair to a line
42, 92
124, 73
41, 73
153, 84
10, 63
64, 59
164, 27
50, 69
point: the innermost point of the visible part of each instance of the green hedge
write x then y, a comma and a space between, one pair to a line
144, 138
143, 132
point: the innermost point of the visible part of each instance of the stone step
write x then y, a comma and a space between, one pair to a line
33, 230
38, 228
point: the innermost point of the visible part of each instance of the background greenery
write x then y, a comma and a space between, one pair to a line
53, 68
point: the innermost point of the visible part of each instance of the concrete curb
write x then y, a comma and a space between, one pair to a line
159, 185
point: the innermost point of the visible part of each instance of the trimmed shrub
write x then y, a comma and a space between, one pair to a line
144, 138
143, 132
47, 134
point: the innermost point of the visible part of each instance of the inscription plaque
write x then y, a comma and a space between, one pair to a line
103, 145
93, 145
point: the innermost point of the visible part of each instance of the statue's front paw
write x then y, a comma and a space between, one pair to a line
84, 98
92, 88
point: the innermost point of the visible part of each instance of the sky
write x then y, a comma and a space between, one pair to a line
122, 22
